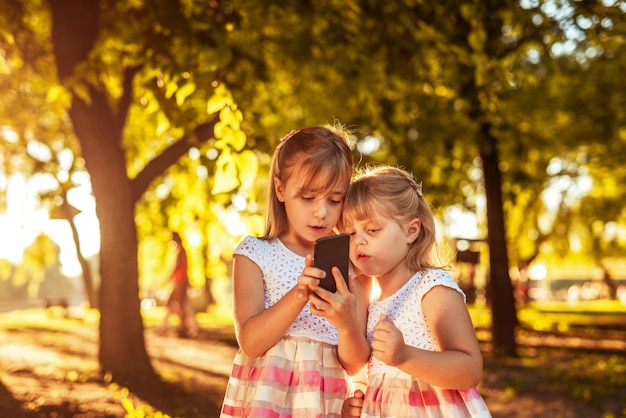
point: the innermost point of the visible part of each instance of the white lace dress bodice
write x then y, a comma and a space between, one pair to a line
281, 267
404, 308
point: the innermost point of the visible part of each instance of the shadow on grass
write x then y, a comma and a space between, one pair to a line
54, 373
7, 401
173, 399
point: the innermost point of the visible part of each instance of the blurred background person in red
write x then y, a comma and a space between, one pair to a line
178, 302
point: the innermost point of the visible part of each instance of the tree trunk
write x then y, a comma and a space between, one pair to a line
122, 345
503, 313
475, 88
122, 350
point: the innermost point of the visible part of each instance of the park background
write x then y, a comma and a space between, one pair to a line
121, 121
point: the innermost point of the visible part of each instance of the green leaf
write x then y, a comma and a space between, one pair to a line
221, 98
128, 405
231, 117
226, 178
237, 140
58, 94
171, 88
248, 166
163, 124
82, 91
477, 39
184, 92
228, 131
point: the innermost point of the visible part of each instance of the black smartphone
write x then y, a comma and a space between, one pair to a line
329, 252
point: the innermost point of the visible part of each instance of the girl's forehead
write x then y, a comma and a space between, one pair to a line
367, 208
320, 181
367, 212
322, 187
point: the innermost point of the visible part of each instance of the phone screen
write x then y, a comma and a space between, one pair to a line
332, 251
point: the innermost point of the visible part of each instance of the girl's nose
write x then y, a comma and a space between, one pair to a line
359, 239
320, 211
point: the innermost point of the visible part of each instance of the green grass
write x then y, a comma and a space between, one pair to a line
596, 376
560, 315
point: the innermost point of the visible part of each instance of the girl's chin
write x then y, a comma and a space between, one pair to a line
319, 232
365, 272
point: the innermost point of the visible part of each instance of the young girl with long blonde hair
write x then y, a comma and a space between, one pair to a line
291, 359
425, 359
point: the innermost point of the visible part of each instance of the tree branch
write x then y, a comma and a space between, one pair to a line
127, 97
169, 156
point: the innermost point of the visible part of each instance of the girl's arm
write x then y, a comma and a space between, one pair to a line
353, 348
346, 310
459, 363
258, 329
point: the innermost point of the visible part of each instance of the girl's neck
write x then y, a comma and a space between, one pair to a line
296, 244
393, 281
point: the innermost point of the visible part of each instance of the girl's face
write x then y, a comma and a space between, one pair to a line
379, 247
312, 213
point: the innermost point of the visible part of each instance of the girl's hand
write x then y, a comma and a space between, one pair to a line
346, 310
309, 278
353, 405
388, 344
339, 308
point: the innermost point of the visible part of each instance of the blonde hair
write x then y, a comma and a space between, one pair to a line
320, 154
392, 192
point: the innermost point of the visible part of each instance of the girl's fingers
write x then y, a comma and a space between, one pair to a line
340, 281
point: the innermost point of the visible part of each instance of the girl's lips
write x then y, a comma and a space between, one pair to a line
319, 230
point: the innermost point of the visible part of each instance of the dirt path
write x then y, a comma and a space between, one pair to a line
46, 373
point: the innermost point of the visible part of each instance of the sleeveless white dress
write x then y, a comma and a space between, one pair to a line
300, 376
393, 393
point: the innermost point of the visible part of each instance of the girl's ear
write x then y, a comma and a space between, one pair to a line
413, 231
278, 188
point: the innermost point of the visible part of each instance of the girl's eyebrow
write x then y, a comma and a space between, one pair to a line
338, 192
317, 190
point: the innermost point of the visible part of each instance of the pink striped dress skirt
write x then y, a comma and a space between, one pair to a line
297, 377
396, 394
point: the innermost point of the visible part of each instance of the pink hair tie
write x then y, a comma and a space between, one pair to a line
286, 138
